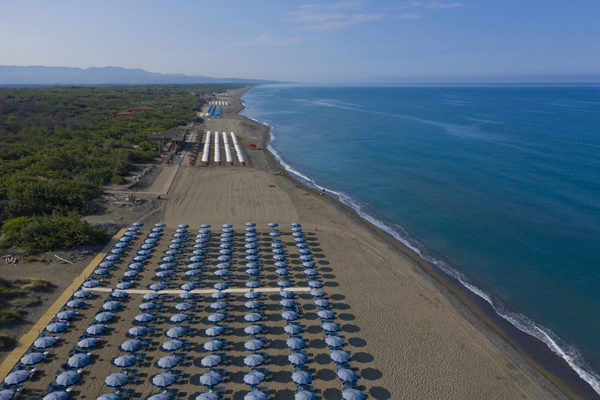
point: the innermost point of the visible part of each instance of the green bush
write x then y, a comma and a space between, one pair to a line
5, 342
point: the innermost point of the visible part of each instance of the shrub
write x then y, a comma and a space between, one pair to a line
5, 341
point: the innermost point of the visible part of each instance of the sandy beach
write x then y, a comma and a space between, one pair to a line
408, 335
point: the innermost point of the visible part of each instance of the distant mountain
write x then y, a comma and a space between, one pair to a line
37, 75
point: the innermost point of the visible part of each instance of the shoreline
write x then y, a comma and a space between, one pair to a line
522, 349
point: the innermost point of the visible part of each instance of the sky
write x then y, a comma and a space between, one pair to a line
313, 41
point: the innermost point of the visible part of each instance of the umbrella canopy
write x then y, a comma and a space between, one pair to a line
316, 292
144, 317
179, 318
163, 380
109, 396
223, 265
210, 379
131, 273
58, 395
325, 314
151, 296
131, 345
113, 257
188, 286
147, 306
277, 245
101, 271
192, 272
292, 329
253, 329
310, 272
305, 395
117, 251
157, 287
218, 305
339, 356
111, 305
253, 304
286, 294
322, 303
301, 245
305, 252
172, 345
68, 378
298, 358
168, 259
211, 361
207, 396
216, 317
124, 285
253, 284
119, 295
254, 360
176, 332
96, 329
330, 327
214, 331
104, 316
138, 331
282, 272
163, 274
166, 266
75, 303
68, 314
302, 378
221, 272
295, 343
284, 284
199, 252
252, 294
227, 226
279, 257
159, 396
334, 341
219, 295
79, 360
279, 252
45, 342
221, 286
124, 361
352, 394
254, 378
347, 375
16, 377
314, 284
121, 245
116, 380
168, 362
288, 303
253, 272
289, 315
253, 345
32, 358
183, 306
250, 224
204, 226
56, 327
155, 235
196, 259
253, 317
186, 295
255, 395
213, 345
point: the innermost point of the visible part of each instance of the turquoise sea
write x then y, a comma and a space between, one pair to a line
499, 186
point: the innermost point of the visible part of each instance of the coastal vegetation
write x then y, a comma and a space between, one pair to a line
60, 145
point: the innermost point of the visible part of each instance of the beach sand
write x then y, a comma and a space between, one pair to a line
408, 336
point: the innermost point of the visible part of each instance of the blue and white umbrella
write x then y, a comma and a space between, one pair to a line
188, 286
226, 240
96, 329
151, 241
135, 266
147, 306
254, 360
56, 327
347, 375
309, 264
352, 394
124, 285
252, 252
317, 293
299, 240
287, 303
218, 305
44, 342
289, 315
91, 284
179, 317
334, 341
155, 235
253, 345
151, 296
176, 332
32, 358
111, 305
79, 360
194, 266
279, 257
253, 304
14, 378
199, 252
315, 284
287, 294
104, 316
196, 259
292, 329
253, 317
106, 264
250, 245
183, 306
157, 229
322, 303
282, 272
254, 378
223, 265
169, 259
213, 345
163, 274
302, 378
119, 295
253, 272
305, 395
214, 331
276, 245
306, 258
330, 327
56, 395
117, 251
272, 224
144, 317
339, 356
295, 343
68, 378
219, 295
157, 287
250, 240
253, 329
66, 314
192, 272
210, 379
275, 234
112, 257
305, 252
172, 345
301, 246
121, 245
221, 286
252, 295
211, 361
160, 225
109, 396
252, 265
255, 395
216, 317
171, 252
279, 251
187, 295
159, 396
284, 284
116, 380
253, 284
250, 224
252, 258
310, 272
138, 331
131, 345
166, 266
297, 358
124, 361
168, 362
325, 314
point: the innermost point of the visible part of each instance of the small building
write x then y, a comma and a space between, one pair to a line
136, 110
124, 114
175, 137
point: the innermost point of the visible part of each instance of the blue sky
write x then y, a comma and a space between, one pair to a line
313, 41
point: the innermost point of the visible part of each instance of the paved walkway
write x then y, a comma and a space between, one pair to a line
27, 339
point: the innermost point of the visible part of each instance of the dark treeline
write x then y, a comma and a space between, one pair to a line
60, 145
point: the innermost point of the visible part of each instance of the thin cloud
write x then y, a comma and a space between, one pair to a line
432, 5
267, 40
318, 17
413, 15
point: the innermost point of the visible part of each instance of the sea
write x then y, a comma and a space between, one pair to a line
496, 185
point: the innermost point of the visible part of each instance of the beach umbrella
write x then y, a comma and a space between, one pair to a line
252, 294
44, 342
168, 362
155, 235
138, 331
121, 245
226, 245
251, 245
289, 315
147, 246
159, 396
131, 345
295, 343
14, 378
253, 272
112, 257
330, 327
255, 395
301, 246
67, 378
227, 226
254, 378
278, 251
253, 284
272, 224
75, 303
315, 284
144, 252
205, 226
278, 257
292, 329
175, 246
157, 286
352, 394
250, 239
334, 341
322, 303
253, 345
150, 241
216, 317
253, 304
221, 286
104, 316
287, 294
111, 305
117, 251
202, 240
56, 327
147, 306
253, 317
88, 342
119, 295
309, 264
169, 259
124, 285
131, 274
276, 245
221, 272
297, 234
250, 224
106, 264
160, 225
172, 345
210, 379
226, 240
210, 361
347, 375
223, 266
116, 380
305, 395
163, 274
218, 305
325, 314
109, 396
253, 329
198, 252
57, 395
214, 331
317, 292
339, 356
156, 229
254, 360
310, 272
284, 284
306, 252
91, 284
281, 264
302, 378
287, 303
176, 332
187, 295
79, 360
223, 258
67, 314
192, 272
151, 296
306, 258
124, 361
188, 286
179, 317
275, 234
96, 329
196, 259
193, 266
32, 358
298, 358
207, 396
176, 241
213, 345
183, 306
299, 240
218, 295
282, 272
166, 266
252, 252
227, 234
